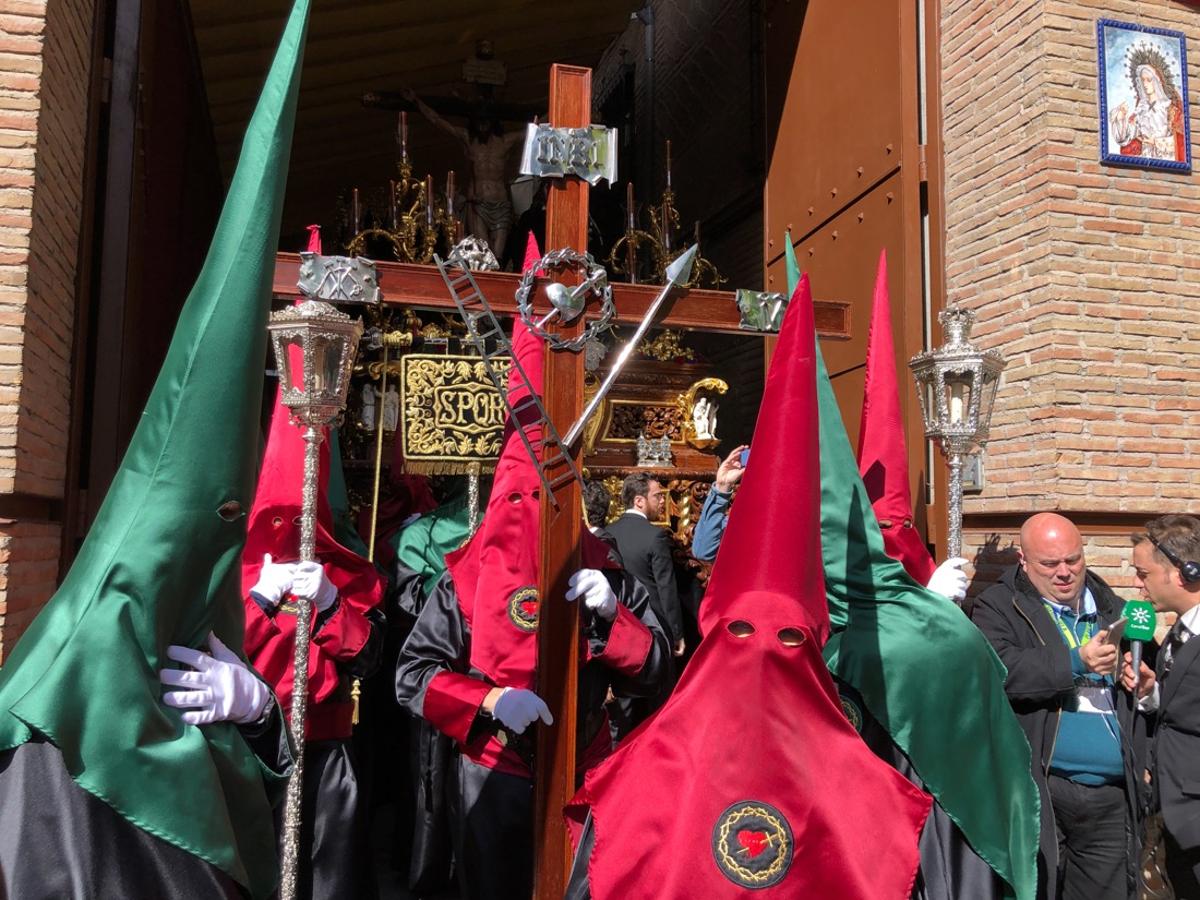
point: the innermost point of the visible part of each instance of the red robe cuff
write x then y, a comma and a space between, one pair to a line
628, 644
452, 702
345, 634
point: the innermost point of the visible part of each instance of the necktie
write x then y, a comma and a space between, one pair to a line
1176, 638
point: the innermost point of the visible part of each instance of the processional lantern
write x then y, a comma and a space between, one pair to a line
314, 345
957, 384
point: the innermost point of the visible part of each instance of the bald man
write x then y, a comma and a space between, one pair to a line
1048, 619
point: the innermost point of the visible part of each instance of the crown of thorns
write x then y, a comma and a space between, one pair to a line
1147, 55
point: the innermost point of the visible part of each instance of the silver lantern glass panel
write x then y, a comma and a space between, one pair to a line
327, 340
323, 341
956, 386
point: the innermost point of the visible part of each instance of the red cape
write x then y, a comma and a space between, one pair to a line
750, 777
882, 455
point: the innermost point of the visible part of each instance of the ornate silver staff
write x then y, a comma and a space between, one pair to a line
956, 384
324, 340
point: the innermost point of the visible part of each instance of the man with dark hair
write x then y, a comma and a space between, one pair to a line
1048, 619
1166, 563
596, 501
646, 550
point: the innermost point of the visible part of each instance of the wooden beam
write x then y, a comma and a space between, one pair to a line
561, 528
422, 287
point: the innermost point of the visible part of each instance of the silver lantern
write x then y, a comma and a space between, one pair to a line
314, 346
957, 384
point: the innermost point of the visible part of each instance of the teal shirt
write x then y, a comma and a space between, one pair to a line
1088, 747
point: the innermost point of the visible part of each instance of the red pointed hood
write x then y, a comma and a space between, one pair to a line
750, 777
882, 455
768, 548
532, 254
495, 573
274, 522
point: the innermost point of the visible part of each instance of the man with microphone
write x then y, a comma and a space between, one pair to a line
1166, 563
1049, 621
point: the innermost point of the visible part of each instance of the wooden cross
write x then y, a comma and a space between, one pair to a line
561, 522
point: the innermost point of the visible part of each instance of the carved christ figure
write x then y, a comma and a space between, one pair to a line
489, 209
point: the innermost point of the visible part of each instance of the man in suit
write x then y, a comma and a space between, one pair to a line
1166, 562
646, 550
1048, 621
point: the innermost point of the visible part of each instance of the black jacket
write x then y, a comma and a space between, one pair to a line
1177, 747
646, 554
1040, 684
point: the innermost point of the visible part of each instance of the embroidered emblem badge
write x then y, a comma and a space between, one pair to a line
852, 712
523, 608
752, 844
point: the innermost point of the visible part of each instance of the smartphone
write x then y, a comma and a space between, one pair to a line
1116, 631
745, 457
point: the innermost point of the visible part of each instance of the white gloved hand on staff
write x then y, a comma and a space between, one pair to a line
597, 595
516, 709
309, 582
274, 581
219, 688
950, 580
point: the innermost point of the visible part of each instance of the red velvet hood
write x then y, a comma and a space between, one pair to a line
750, 777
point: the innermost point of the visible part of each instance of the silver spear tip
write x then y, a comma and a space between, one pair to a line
680, 271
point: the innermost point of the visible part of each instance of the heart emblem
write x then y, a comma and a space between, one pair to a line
754, 842
529, 607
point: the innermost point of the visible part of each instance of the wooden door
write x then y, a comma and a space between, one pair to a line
847, 175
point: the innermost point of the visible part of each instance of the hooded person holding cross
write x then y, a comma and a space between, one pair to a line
469, 667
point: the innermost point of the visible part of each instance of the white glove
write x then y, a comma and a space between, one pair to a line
274, 580
309, 582
517, 708
597, 595
221, 689
950, 580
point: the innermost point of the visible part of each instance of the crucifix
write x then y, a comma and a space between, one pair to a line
563, 398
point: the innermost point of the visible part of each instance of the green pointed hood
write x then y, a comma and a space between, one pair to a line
161, 563
924, 671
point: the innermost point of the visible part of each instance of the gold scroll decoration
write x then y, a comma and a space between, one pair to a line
451, 415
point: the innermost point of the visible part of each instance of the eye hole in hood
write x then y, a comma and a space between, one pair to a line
230, 511
740, 628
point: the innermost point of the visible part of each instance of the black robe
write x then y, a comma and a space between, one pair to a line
59, 842
490, 809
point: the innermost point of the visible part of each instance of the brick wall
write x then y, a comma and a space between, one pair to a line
1084, 276
45, 57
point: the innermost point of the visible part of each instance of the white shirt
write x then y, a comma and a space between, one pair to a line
638, 512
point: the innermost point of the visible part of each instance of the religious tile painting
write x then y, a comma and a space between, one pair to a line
1144, 119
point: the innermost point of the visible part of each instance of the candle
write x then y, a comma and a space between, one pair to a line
403, 135
956, 403
392, 204
354, 212
450, 193
428, 199
668, 164
630, 224
696, 232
